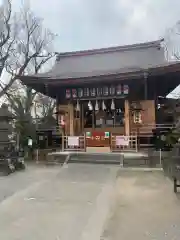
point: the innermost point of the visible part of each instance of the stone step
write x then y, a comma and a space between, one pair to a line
130, 160
88, 158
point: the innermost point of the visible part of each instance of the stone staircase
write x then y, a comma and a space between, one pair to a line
126, 159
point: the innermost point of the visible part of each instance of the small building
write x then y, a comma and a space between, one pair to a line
110, 91
48, 135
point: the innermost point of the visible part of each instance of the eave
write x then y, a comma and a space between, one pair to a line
119, 76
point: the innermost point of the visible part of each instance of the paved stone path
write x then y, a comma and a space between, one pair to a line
79, 202
146, 208
53, 203
20, 180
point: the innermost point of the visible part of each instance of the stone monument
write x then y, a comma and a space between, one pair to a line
9, 156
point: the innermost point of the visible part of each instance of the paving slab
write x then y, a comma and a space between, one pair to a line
72, 202
146, 208
20, 180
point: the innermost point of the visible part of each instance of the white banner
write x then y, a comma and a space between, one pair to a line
122, 140
73, 141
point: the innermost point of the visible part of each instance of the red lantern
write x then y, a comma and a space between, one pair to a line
74, 93
68, 93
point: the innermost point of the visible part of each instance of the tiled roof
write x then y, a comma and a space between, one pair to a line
106, 61
111, 49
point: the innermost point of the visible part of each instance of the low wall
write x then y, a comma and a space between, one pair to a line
42, 154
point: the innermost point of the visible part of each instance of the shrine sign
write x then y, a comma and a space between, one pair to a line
97, 139
73, 141
122, 141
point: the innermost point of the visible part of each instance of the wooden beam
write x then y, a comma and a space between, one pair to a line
71, 119
145, 86
127, 120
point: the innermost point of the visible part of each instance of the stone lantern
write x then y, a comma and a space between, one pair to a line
5, 126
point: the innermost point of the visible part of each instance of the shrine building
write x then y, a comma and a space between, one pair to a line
109, 91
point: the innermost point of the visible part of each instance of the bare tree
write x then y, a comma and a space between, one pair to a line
30, 50
172, 42
30, 47
6, 40
45, 106
29, 108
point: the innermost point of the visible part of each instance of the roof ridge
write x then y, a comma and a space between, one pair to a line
110, 49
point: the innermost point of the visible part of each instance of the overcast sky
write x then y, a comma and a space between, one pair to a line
87, 24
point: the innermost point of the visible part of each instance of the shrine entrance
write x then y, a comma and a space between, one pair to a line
103, 114
96, 110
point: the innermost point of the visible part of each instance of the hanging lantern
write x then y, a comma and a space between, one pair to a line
112, 90
93, 92
119, 89
80, 92
103, 106
112, 105
68, 93
96, 106
105, 91
74, 93
86, 92
126, 89
77, 106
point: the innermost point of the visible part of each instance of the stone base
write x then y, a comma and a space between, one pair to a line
98, 149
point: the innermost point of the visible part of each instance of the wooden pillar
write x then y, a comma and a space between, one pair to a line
64, 113
145, 86
57, 112
82, 117
71, 119
127, 119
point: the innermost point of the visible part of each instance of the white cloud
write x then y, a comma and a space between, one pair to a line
83, 24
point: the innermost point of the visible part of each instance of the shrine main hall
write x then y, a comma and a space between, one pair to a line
109, 91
